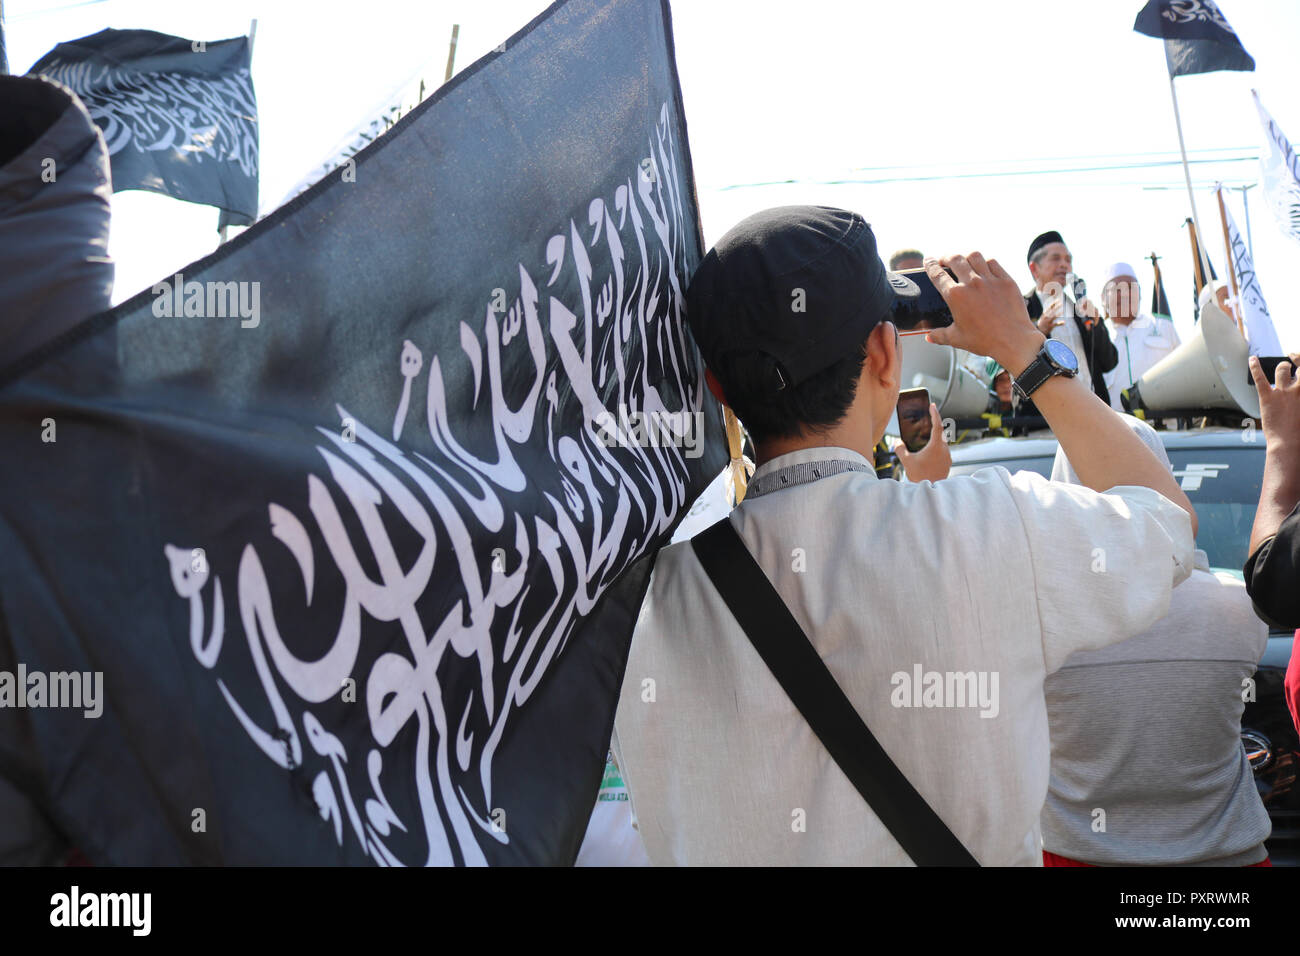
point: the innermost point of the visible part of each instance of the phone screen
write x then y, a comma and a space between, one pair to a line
926, 311
1268, 365
914, 418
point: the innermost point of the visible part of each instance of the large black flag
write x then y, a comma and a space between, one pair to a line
179, 116
354, 516
1197, 37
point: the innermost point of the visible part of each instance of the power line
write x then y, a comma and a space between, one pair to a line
992, 174
1052, 159
67, 6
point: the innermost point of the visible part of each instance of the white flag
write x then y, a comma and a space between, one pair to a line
1250, 304
1281, 169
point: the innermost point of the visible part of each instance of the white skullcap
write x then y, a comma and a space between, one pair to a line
1118, 269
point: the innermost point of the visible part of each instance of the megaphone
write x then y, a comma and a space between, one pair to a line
1207, 371
957, 391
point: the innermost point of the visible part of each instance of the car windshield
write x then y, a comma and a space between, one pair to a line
1223, 485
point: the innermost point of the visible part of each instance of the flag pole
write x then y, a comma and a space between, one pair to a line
1196, 257
4, 56
252, 35
1157, 285
451, 53
1232, 265
1187, 173
1250, 243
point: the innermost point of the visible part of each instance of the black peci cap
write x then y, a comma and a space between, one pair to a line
801, 284
1045, 239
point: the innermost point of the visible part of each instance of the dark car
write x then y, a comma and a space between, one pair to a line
1220, 469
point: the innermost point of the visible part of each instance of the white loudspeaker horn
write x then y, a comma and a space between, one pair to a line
1207, 371
956, 390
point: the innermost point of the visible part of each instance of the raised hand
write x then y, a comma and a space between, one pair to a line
934, 461
989, 315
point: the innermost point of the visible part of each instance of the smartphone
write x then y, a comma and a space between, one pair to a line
926, 311
1268, 365
914, 418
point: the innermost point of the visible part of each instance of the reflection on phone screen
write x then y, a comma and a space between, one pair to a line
914, 418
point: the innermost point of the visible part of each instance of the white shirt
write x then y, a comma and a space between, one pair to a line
1068, 332
1141, 344
990, 572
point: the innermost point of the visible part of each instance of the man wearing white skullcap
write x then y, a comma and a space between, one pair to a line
1140, 339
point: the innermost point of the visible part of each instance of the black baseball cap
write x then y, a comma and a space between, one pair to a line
803, 285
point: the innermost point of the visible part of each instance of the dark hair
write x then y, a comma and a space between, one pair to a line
902, 254
815, 404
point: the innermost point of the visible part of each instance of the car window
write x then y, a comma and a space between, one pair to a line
1223, 485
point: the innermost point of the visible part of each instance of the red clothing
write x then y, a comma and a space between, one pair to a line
1291, 686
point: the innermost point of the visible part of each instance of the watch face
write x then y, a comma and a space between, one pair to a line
1062, 356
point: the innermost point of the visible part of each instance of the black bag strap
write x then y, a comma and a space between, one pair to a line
792, 659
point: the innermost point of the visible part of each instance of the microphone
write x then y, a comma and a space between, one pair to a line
1080, 290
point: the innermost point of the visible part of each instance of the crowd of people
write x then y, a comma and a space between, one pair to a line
1050, 665
1115, 343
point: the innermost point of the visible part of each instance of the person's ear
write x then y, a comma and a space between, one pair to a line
1033, 271
714, 386
884, 356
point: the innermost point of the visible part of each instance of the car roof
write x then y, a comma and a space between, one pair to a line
1042, 445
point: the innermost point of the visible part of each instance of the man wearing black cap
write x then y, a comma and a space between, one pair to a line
899, 586
1058, 316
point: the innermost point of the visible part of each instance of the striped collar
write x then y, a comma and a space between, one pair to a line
805, 465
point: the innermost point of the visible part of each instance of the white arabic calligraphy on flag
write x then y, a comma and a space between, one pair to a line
1251, 305
1281, 173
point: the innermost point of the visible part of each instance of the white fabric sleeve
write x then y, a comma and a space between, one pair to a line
1104, 564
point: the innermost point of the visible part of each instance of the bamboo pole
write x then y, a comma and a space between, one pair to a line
1232, 262
451, 53
1196, 256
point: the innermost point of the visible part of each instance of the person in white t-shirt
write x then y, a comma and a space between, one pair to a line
938, 607
1141, 340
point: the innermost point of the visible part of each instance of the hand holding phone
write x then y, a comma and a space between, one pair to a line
923, 313
914, 425
989, 314
923, 451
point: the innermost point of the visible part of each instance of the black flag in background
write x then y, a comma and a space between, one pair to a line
1197, 37
1200, 263
179, 117
1159, 301
354, 516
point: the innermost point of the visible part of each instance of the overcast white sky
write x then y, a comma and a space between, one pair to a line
820, 92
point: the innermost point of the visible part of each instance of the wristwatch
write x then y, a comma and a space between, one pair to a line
1054, 358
